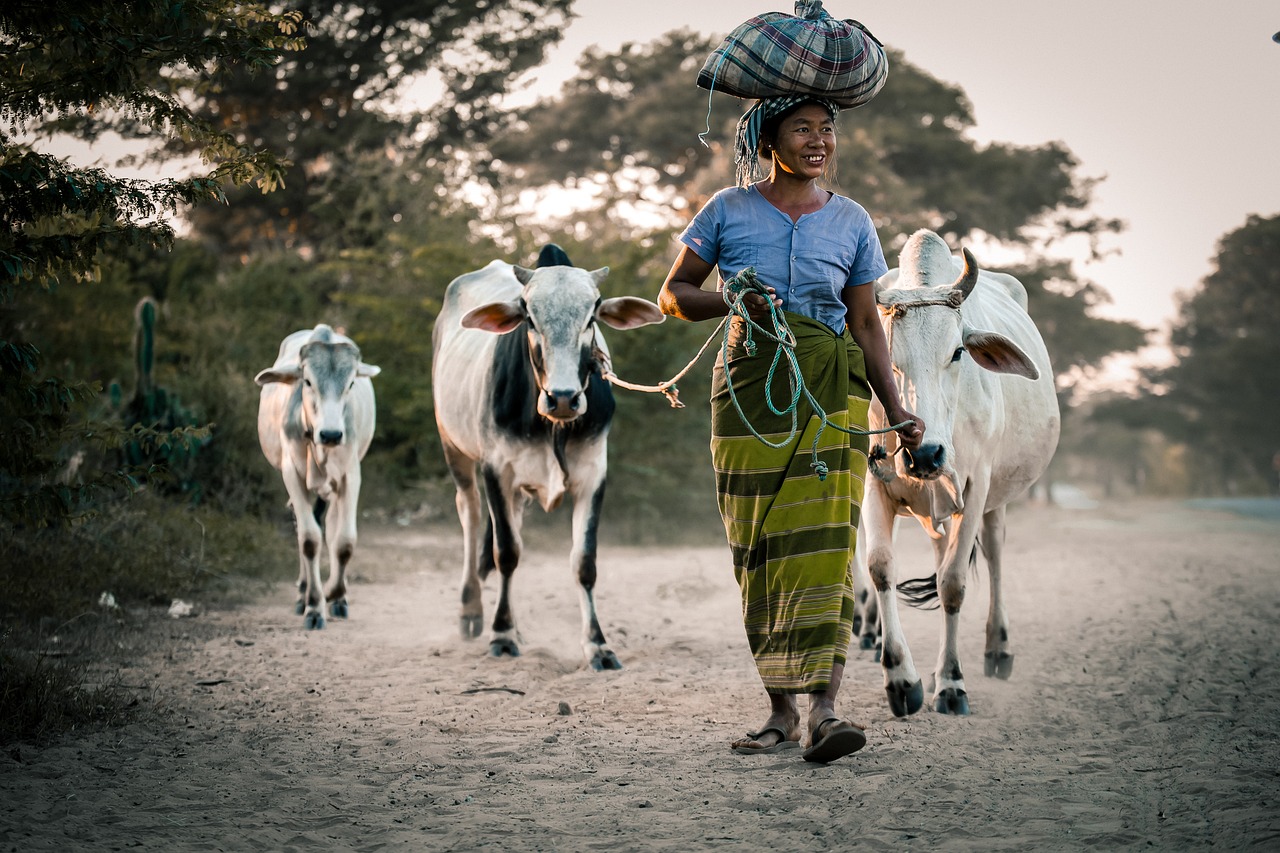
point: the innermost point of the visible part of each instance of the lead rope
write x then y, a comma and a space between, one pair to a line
735, 290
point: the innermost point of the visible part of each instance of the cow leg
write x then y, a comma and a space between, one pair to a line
866, 610
340, 533
586, 523
998, 660
467, 501
310, 542
950, 696
901, 682
506, 510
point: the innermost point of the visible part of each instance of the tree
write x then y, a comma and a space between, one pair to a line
415, 82
631, 119
1219, 396
99, 66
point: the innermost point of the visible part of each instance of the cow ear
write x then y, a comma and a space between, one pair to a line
629, 312
522, 274
599, 275
369, 370
994, 352
496, 317
885, 282
288, 374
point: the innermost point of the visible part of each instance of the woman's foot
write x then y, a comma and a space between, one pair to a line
777, 734
834, 738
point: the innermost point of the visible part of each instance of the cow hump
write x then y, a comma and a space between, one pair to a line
553, 256
926, 260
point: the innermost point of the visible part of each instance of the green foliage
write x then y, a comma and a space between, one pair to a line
1219, 395
146, 551
630, 120
90, 67
95, 66
414, 82
1064, 310
40, 697
616, 113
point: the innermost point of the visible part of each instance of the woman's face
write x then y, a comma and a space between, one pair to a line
806, 142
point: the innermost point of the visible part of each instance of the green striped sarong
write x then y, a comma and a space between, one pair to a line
792, 535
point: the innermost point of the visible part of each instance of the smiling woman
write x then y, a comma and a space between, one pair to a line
791, 532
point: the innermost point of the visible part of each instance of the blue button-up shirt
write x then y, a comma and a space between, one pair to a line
807, 262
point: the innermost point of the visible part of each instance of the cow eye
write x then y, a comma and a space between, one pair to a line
955, 356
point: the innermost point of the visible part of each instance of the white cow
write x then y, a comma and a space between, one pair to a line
519, 395
315, 422
970, 362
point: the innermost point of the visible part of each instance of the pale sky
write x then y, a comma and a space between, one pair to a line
1174, 104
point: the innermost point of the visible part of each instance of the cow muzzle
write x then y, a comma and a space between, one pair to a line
926, 462
330, 437
561, 405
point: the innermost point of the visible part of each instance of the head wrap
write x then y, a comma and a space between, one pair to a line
746, 146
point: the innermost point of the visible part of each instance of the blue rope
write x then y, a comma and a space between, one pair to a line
735, 290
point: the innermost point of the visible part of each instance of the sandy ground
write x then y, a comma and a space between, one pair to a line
1144, 712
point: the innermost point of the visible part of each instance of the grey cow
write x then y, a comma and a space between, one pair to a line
315, 421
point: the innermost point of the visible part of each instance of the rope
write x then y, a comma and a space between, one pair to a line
735, 291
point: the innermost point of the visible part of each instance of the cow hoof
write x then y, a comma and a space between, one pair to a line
498, 648
868, 642
999, 664
605, 659
952, 701
300, 607
313, 621
857, 624
338, 609
905, 699
471, 627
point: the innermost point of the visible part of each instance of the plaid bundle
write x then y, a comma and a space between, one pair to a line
809, 53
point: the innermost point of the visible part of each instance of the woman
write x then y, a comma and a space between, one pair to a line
791, 531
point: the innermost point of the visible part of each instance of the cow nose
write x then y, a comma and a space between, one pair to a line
926, 461
564, 404
330, 437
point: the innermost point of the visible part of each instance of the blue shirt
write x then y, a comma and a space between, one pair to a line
807, 262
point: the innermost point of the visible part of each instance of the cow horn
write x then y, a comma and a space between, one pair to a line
964, 284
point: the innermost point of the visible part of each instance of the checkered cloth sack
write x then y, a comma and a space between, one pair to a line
809, 53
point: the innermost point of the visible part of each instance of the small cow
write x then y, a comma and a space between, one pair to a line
315, 422
968, 359
519, 395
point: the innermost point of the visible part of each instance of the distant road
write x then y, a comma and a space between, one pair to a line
1268, 508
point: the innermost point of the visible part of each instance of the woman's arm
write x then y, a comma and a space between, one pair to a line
864, 324
682, 294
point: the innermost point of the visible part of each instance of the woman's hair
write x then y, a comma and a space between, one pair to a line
769, 135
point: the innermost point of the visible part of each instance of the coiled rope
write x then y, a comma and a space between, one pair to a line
736, 289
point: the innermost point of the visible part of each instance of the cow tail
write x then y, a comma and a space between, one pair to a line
920, 592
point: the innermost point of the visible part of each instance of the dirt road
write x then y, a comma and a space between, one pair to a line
1144, 712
